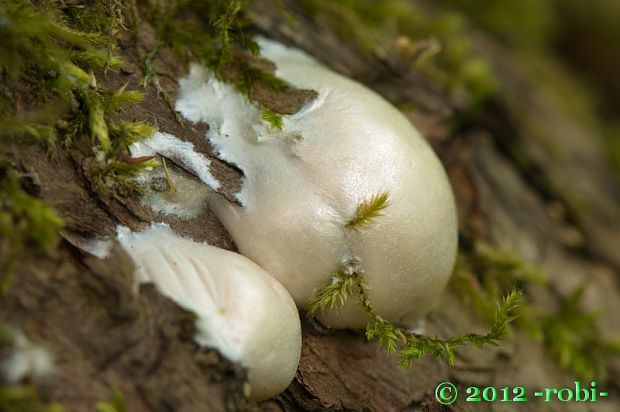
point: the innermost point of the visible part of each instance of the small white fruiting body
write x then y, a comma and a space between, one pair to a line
241, 310
302, 184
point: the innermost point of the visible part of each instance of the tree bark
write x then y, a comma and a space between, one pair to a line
104, 337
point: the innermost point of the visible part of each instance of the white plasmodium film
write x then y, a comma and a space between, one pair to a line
304, 183
302, 191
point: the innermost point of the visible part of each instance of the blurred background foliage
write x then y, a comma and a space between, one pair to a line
584, 35
571, 46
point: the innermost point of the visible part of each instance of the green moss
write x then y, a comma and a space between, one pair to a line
223, 15
126, 133
105, 17
24, 221
505, 312
249, 76
486, 276
50, 58
25, 399
369, 210
274, 119
96, 120
119, 177
334, 294
212, 33
22, 130
107, 173
117, 404
36, 38
50, 54
210, 36
99, 105
575, 341
187, 37
351, 279
39, 58
570, 333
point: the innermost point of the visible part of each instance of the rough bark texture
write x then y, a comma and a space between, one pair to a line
103, 336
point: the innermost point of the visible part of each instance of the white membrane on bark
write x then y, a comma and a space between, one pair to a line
303, 184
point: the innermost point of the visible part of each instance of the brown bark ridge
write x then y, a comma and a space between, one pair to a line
104, 337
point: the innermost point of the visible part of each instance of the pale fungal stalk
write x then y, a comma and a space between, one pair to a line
241, 310
346, 178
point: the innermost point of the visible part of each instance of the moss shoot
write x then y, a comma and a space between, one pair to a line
569, 333
51, 56
412, 346
24, 221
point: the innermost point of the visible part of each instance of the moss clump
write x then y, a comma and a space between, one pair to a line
49, 64
105, 17
121, 177
213, 33
570, 333
110, 171
575, 341
223, 16
247, 76
209, 35
24, 221
39, 59
50, 55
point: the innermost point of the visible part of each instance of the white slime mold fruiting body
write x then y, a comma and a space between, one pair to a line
241, 310
303, 184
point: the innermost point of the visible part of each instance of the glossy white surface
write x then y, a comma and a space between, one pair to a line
241, 310
303, 184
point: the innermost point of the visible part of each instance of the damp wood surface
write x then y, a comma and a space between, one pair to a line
104, 337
